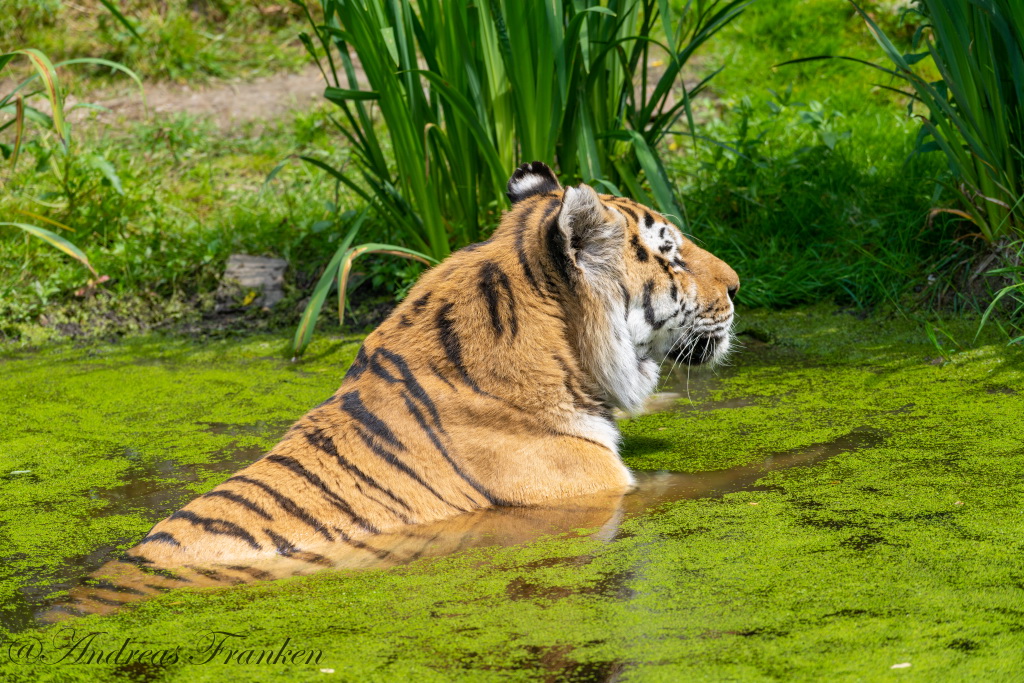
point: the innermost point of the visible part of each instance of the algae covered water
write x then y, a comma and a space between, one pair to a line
836, 502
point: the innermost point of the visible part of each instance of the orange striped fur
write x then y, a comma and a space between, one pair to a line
491, 384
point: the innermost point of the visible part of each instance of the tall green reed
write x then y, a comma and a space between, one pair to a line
440, 99
336, 275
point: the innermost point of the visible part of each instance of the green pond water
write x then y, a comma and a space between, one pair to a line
835, 503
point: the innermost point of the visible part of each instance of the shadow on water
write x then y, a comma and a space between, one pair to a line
161, 486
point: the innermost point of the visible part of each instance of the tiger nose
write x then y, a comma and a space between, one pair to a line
728, 277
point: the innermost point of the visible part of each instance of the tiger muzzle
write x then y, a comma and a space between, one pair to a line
698, 349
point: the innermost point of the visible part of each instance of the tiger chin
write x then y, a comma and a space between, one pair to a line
492, 384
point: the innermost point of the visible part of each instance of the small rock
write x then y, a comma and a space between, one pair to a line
251, 281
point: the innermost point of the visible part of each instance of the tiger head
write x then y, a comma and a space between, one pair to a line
642, 291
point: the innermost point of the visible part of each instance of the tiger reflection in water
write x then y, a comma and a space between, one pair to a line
487, 395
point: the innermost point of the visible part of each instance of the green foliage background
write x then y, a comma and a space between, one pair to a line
803, 179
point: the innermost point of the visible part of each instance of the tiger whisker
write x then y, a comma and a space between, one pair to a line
676, 359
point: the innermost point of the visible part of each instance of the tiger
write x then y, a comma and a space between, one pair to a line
491, 385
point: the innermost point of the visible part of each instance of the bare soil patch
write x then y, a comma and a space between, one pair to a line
228, 103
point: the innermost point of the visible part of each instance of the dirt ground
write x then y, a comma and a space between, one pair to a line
230, 103
226, 102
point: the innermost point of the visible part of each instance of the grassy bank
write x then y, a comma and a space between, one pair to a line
191, 195
810, 190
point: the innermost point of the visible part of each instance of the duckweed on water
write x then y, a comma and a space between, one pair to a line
903, 549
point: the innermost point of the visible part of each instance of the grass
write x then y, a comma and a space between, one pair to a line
468, 91
816, 196
974, 111
179, 41
17, 104
803, 217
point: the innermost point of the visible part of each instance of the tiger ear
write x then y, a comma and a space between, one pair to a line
529, 180
592, 235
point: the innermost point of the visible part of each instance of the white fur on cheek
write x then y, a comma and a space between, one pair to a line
639, 330
627, 380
